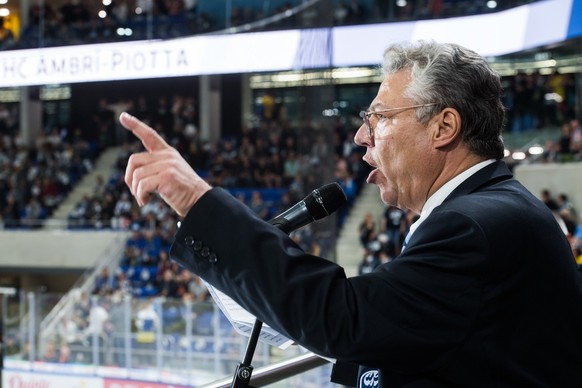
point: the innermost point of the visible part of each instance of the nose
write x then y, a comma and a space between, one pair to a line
361, 137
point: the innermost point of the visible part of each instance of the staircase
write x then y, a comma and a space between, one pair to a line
103, 166
349, 251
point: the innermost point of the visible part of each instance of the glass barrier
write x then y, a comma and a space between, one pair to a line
163, 340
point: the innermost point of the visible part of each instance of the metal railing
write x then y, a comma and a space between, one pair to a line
84, 285
162, 340
277, 372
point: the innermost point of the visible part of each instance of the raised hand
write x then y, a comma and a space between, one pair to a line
161, 169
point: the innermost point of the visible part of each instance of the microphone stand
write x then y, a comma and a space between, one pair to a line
244, 369
293, 218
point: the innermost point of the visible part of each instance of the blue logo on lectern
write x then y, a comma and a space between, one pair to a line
369, 379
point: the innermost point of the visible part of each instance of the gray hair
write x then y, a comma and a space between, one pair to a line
453, 76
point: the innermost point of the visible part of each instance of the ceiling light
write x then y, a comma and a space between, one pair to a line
491, 4
518, 155
536, 150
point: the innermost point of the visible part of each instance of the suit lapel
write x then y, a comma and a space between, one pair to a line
487, 176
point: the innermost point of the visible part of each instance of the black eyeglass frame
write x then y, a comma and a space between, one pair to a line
367, 114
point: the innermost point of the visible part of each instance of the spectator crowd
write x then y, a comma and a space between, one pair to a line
269, 167
35, 179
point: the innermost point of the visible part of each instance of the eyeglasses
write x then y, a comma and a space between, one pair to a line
368, 114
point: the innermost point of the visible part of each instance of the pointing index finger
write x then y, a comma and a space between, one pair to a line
150, 139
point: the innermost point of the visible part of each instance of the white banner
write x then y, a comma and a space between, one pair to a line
218, 54
18, 379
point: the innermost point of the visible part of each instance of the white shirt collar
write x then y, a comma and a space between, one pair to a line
441, 194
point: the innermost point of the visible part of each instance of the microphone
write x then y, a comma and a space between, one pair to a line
320, 203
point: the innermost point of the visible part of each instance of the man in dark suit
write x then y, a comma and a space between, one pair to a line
485, 292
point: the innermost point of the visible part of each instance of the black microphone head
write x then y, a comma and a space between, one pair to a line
325, 200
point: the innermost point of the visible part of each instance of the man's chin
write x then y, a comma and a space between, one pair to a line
387, 193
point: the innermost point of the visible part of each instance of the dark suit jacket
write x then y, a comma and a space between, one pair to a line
486, 293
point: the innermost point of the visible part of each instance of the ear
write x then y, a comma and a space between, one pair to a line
446, 128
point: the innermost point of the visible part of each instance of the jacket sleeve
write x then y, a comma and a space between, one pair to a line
410, 314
